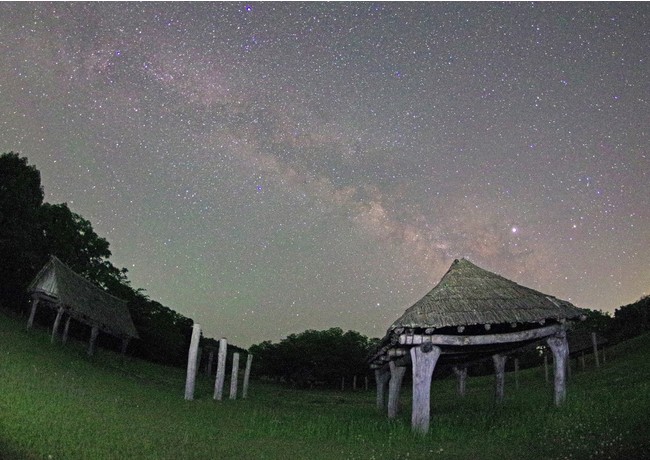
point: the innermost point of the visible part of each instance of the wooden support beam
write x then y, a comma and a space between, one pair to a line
354, 382
221, 370
381, 378
94, 332
500, 376
488, 339
560, 349
32, 313
192, 355
234, 375
57, 322
247, 375
594, 343
424, 360
394, 387
461, 374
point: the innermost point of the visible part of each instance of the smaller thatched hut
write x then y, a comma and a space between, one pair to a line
57, 286
472, 314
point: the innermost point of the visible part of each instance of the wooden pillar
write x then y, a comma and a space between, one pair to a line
208, 368
66, 329
354, 382
32, 314
234, 375
500, 376
424, 359
342, 383
125, 344
517, 373
394, 387
221, 370
381, 378
560, 349
94, 332
247, 374
594, 343
57, 322
192, 355
461, 374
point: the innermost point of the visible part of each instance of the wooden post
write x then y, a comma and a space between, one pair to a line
32, 314
66, 329
247, 374
342, 383
234, 375
57, 321
191, 362
394, 386
221, 370
594, 343
354, 382
500, 376
208, 369
517, 373
461, 374
424, 359
582, 360
125, 344
546, 366
94, 332
560, 349
381, 379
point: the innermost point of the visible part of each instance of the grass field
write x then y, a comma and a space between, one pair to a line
56, 403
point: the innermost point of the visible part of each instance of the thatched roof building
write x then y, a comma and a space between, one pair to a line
58, 286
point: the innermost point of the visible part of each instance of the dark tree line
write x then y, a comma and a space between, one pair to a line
314, 358
32, 230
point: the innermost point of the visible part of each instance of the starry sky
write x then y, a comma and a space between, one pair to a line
266, 168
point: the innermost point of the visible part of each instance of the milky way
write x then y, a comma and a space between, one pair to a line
267, 168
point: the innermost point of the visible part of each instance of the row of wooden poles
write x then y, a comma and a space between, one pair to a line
193, 367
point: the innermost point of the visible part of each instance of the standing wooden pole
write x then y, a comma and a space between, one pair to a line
594, 343
424, 359
354, 382
66, 329
500, 376
234, 375
191, 362
394, 387
57, 321
517, 373
560, 349
381, 379
221, 370
247, 374
461, 374
32, 314
208, 369
94, 332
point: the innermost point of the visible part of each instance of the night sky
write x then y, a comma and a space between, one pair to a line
266, 168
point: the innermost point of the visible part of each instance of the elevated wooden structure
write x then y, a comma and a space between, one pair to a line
57, 286
472, 314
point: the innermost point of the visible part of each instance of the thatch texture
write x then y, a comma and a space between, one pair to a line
84, 301
468, 295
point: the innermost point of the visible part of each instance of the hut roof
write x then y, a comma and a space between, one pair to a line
468, 295
84, 300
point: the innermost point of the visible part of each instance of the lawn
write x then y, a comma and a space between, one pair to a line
55, 402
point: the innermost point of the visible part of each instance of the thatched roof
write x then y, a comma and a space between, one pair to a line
468, 295
84, 301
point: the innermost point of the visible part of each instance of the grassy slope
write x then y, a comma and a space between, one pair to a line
57, 403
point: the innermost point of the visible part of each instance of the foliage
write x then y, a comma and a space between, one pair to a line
312, 357
57, 403
633, 319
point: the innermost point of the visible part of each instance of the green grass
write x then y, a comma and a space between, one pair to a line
57, 403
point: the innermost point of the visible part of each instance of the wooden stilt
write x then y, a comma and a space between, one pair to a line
234, 375
191, 362
517, 373
424, 359
354, 383
32, 313
94, 332
461, 374
57, 322
381, 378
594, 343
247, 374
221, 370
66, 329
342, 383
560, 349
208, 369
394, 387
500, 376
